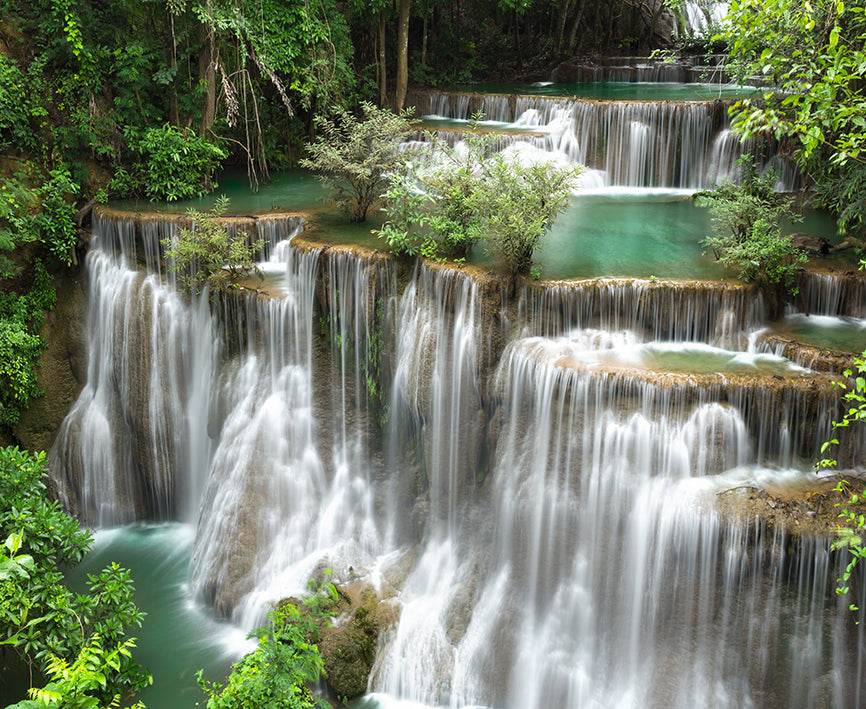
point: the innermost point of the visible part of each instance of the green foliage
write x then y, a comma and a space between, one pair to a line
176, 163
21, 344
41, 619
431, 206
277, 673
747, 239
207, 256
443, 208
813, 56
852, 530
519, 204
355, 156
42, 213
77, 685
20, 107
843, 192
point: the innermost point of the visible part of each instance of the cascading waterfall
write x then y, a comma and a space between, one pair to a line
134, 444
541, 475
684, 145
596, 575
436, 385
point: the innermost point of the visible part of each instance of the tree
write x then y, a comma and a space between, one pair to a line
207, 256
519, 204
356, 156
811, 58
458, 197
746, 236
404, 6
46, 624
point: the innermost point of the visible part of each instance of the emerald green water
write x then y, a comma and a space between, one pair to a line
177, 638
615, 232
832, 333
616, 90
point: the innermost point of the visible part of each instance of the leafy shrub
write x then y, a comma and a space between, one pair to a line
431, 204
41, 213
518, 206
40, 618
747, 238
277, 673
355, 156
176, 163
21, 344
20, 108
469, 195
207, 256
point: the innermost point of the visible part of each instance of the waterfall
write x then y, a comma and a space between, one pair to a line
436, 384
684, 144
134, 445
599, 573
548, 482
671, 311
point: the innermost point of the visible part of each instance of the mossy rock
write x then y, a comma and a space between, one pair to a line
348, 646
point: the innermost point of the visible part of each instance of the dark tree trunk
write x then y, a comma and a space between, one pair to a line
207, 76
402, 54
383, 72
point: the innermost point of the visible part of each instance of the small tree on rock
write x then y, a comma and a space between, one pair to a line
207, 256
473, 194
355, 156
747, 237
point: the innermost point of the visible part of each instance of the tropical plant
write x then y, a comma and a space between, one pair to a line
809, 57
747, 238
21, 344
277, 674
176, 163
355, 156
206, 255
442, 206
79, 684
46, 624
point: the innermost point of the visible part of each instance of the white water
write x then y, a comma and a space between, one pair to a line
683, 145
553, 518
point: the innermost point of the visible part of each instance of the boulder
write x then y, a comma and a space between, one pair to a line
811, 243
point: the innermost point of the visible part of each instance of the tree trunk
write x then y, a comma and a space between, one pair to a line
402, 54
517, 40
560, 25
383, 73
424, 40
207, 76
575, 25
173, 114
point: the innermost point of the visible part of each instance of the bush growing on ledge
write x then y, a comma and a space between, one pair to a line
747, 238
207, 256
355, 156
470, 195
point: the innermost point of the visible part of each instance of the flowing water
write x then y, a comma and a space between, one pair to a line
532, 478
